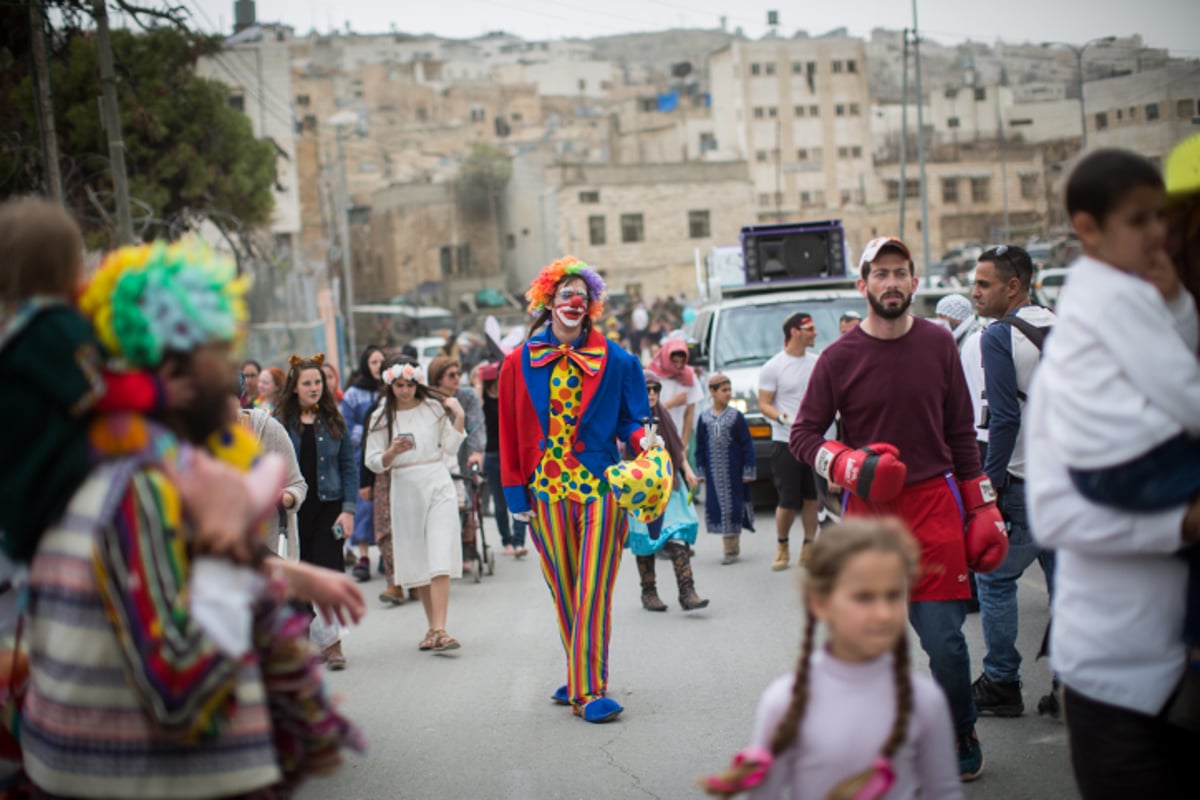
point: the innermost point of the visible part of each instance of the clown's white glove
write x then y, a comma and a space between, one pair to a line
646, 444
784, 419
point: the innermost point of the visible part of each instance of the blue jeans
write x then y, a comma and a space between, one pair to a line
510, 535
998, 589
364, 522
938, 624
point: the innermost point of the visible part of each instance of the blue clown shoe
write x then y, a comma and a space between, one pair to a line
560, 696
602, 709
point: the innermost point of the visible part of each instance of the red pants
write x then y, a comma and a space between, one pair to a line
932, 511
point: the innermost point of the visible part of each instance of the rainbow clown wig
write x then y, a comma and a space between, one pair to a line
541, 292
148, 300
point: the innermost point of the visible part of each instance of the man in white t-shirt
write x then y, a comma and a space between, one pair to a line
781, 386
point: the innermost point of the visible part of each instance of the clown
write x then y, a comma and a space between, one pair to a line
566, 396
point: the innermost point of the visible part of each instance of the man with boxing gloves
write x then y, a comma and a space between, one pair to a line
910, 451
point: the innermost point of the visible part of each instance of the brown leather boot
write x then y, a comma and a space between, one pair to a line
688, 599
650, 599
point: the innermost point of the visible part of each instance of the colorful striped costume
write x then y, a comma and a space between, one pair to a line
562, 408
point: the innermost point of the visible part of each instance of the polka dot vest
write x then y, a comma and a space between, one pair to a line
560, 475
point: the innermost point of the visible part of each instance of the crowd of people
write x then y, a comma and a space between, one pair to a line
175, 540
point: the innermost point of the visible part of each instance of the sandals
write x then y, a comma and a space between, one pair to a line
429, 641
443, 641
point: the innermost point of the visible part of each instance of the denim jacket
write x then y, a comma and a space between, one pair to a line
337, 464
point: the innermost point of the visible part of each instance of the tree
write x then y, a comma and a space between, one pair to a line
483, 173
188, 153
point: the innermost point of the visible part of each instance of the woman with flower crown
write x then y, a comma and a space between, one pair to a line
409, 436
566, 396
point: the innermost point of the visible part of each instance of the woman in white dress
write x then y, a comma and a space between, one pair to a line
409, 435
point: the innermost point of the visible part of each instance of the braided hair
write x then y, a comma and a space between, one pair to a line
830, 554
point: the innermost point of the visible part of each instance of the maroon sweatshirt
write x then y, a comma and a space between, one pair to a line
909, 392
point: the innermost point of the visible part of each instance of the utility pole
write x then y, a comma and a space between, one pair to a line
44, 105
343, 217
112, 123
903, 132
921, 143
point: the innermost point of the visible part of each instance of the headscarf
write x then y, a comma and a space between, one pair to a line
666, 428
365, 379
661, 364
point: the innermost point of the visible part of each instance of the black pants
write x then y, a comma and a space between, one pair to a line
1118, 753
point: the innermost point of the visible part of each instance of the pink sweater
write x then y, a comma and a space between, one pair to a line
851, 709
909, 392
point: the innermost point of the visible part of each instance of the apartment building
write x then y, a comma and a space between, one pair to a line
1148, 112
798, 110
640, 225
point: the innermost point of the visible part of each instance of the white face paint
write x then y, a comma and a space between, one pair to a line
570, 305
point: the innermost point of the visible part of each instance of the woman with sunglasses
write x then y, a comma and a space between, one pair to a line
407, 436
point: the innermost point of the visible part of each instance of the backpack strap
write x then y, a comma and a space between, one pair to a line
1036, 335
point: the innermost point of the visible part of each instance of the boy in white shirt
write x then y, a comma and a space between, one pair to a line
1124, 410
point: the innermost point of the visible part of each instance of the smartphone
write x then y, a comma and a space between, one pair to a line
412, 440
339, 532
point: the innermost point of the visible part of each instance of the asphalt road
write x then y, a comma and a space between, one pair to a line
480, 723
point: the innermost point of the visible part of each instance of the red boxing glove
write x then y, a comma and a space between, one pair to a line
986, 533
875, 473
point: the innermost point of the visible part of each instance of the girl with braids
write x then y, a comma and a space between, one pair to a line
409, 436
329, 464
852, 723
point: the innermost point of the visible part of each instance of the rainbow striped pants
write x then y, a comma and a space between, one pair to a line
580, 546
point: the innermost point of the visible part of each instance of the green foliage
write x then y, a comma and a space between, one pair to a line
482, 175
186, 149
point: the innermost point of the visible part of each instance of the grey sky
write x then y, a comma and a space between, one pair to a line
1174, 24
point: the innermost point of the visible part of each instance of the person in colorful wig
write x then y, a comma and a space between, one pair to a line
155, 619
566, 396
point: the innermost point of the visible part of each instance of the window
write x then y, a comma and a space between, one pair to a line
814, 111
1102, 119
980, 189
952, 122
843, 152
911, 189
515, 116
632, 228
649, 104
302, 100
949, 190
772, 112
1151, 112
764, 198
1184, 108
759, 112
510, 241
980, 95
756, 69
1029, 186
818, 198
950, 94
799, 111
815, 153
802, 154
589, 198
837, 66
596, 230
805, 199
856, 152
446, 258
1133, 112
839, 110
811, 68
854, 110
708, 142
478, 114
463, 255
797, 67
769, 67
237, 102
698, 225
851, 65
893, 190
1120, 114
760, 155
845, 197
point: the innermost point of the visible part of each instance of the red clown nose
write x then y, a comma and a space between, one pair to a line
577, 301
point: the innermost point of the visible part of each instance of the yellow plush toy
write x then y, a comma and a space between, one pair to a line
643, 486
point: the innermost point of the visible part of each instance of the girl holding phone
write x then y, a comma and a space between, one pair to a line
409, 435
330, 467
